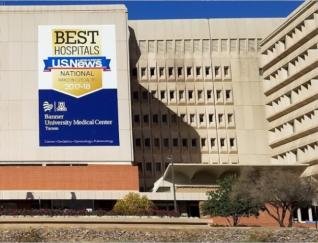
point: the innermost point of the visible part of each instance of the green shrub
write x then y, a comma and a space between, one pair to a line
133, 204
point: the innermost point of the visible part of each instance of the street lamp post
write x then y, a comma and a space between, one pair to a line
170, 159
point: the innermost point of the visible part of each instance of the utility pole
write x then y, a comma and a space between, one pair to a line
170, 159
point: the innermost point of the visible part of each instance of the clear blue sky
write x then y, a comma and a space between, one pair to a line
187, 9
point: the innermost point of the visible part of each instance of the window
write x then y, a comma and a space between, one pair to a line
147, 142
138, 142
228, 94
166, 142
162, 94
212, 141
232, 142
145, 95
179, 71
171, 93
143, 72
170, 71
220, 118
217, 71
185, 142
226, 71
153, 93
218, 94
158, 166
175, 142
203, 142
222, 142
146, 119
190, 94
198, 71
164, 118
192, 120
189, 71
209, 94
154, 118
200, 96
152, 72
194, 142
148, 166
201, 118
181, 94
183, 117
174, 118
161, 72
207, 71
211, 118
136, 95
136, 119
156, 142
230, 118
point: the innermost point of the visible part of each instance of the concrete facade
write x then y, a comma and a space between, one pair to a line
196, 93
19, 81
289, 71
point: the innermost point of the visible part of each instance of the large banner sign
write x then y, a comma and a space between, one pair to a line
78, 86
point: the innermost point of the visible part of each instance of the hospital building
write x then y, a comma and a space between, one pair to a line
210, 96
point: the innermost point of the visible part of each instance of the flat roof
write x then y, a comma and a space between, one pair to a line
41, 8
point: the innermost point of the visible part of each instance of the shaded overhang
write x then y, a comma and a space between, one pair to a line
218, 170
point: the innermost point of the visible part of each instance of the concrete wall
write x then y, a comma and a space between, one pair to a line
229, 49
19, 129
290, 78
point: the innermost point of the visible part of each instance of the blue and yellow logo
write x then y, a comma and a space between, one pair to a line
76, 63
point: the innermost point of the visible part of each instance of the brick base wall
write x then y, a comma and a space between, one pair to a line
91, 177
262, 220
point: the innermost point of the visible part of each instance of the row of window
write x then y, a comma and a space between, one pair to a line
292, 97
149, 167
158, 167
190, 96
291, 37
198, 72
293, 66
202, 143
200, 119
197, 46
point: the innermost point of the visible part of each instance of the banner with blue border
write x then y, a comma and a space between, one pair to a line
78, 103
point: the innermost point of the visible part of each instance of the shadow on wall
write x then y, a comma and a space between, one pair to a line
158, 132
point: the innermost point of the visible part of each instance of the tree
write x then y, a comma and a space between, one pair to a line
133, 204
222, 203
280, 191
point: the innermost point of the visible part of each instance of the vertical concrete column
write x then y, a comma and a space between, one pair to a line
311, 219
299, 215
